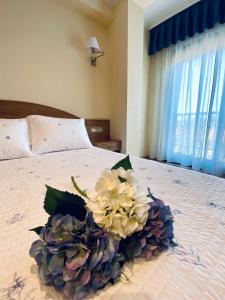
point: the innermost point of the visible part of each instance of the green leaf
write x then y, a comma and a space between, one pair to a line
58, 202
150, 195
121, 179
37, 229
82, 193
124, 163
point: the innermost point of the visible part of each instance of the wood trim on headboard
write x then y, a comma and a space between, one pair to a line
18, 109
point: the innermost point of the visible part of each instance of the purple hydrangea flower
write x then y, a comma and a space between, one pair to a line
76, 257
156, 236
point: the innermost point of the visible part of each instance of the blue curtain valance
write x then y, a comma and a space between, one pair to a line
205, 14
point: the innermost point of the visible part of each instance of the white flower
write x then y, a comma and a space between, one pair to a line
117, 204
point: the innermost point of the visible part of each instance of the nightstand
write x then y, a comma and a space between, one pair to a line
113, 145
99, 134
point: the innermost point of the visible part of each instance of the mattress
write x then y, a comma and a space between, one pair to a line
194, 270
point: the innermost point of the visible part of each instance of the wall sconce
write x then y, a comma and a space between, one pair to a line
94, 50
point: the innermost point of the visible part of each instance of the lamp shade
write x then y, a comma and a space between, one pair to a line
92, 43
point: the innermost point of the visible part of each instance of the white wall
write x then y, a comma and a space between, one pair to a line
127, 71
118, 40
43, 57
135, 100
144, 128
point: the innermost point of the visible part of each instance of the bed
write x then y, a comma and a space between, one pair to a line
193, 270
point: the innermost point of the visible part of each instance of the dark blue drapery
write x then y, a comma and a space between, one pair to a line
204, 14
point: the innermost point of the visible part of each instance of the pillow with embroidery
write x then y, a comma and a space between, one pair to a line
49, 134
14, 138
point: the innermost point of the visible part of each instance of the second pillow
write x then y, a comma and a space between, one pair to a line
49, 134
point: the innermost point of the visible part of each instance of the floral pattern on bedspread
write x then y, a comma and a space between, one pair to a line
187, 254
16, 218
15, 290
216, 205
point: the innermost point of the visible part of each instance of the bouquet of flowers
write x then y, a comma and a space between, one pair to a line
89, 236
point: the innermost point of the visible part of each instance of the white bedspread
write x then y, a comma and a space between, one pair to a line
194, 270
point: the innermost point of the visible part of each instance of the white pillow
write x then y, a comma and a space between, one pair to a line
14, 138
56, 134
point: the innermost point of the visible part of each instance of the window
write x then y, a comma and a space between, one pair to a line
193, 103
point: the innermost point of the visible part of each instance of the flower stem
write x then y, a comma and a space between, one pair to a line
124, 278
82, 193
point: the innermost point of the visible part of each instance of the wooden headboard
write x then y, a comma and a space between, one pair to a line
97, 129
18, 109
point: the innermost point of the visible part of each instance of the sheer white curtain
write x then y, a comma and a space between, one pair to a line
187, 102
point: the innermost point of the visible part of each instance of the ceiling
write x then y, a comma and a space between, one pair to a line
143, 3
158, 11
111, 2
